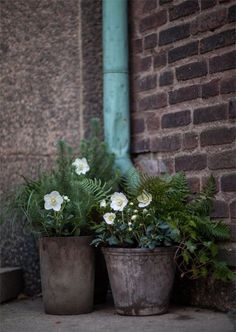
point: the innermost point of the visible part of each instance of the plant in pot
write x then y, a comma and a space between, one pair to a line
150, 229
102, 166
58, 208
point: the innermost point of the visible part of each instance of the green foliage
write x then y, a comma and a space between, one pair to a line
175, 218
101, 161
133, 227
203, 202
84, 192
75, 214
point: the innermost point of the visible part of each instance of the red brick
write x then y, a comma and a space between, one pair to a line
232, 14
183, 94
177, 119
210, 89
183, 9
153, 21
152, 121
149, 5
232, 108
190, 141
140, 145
222, 62
166, 143
166, 78
194, 185
147, 82
221, 160
163, 2
220, 209
228, 85
182, 52
218, 40
173, 34
160, 59
137, 46
150, 41
153, 102
190, 162
209, 21
218, 136
210, 113
233, 209
145, 63
205, 4
191, 70
138, 125
228, 182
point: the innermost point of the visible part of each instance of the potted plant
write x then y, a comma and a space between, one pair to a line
150, 229
58, 208
102, 166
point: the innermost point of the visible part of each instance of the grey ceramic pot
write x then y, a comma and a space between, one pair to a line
67, 274
141, 279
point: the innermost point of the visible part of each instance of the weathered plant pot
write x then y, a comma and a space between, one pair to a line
67, 274
141, 279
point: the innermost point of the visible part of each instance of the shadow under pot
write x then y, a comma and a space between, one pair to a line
141, 279
101, 284
67, 274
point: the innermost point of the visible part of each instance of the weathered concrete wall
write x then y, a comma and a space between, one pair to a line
51, 85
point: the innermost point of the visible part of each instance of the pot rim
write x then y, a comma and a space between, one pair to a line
66, 237
137, 251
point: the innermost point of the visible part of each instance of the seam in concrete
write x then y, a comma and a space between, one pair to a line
81, 94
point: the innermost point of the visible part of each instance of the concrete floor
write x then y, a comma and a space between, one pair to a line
28, 316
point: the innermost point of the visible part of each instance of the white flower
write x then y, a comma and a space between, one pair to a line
53, 201
130, 223
109, 218
81, 166
130, 229
103, 203
66, 198
134, 217
118, 201
144, 199
135, 211
131, 203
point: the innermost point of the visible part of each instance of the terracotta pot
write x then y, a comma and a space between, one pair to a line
141, 279
67, 274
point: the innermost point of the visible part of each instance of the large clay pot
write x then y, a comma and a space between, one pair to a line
67, 274
141, 279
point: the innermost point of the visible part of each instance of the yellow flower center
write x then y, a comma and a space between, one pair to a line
119, 202
53, 201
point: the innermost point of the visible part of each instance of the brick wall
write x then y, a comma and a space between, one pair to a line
183, 85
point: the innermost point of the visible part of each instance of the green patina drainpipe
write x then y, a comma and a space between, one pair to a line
116, 83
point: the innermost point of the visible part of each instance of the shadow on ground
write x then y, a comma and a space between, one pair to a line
28, 316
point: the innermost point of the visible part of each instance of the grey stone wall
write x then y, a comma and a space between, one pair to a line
51, 84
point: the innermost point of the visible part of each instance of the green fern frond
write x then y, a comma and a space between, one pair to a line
203, 203
95, 188
213, 230
131, 183
209, 189
100, 159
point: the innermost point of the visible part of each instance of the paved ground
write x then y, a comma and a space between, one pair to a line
28, 316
